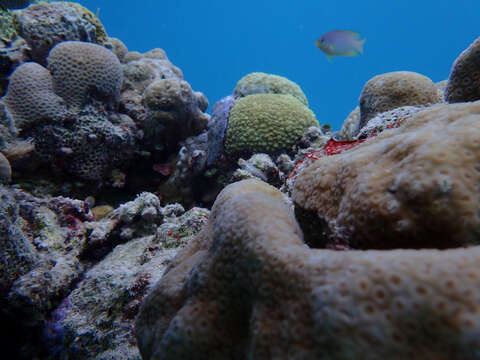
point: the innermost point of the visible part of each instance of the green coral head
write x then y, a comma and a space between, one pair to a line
267, 123
263, 83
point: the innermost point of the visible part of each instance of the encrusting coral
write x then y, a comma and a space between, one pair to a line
411, 187
80, 70
247, 287
391, 90
464, 80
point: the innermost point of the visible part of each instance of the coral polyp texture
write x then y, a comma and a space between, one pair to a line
46, 24
30, 97
464, 80
89, 148
410, 187
391, 90
269, 123
82, 70
247, 287
262, 83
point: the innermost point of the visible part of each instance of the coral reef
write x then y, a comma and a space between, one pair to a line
411, 187
5, 170
217, 128
12, 55
261, 83
96, 319
464, 80
7, 30
71, 286
248, 287
40, 240
391, 90
269, 123
350, 126
46, 24
89, 147
81, 70
174, 111
387, 120
30, 98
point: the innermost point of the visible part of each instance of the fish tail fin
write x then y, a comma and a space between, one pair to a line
360, 45
330, 58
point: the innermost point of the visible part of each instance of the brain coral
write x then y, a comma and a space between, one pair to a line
30, 97
261, 83
268, 123
391, 90
82, 69
46, 24
415, 186
247, 287
464, 80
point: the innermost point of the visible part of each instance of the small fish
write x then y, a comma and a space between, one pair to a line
340, 43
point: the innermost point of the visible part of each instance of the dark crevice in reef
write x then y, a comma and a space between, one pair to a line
316, 233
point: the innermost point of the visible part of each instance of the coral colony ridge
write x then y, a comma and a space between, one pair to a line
135, 225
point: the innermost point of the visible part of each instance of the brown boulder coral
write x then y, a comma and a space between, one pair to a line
81, 69
464, 80
248, 288
391, 90
411, 187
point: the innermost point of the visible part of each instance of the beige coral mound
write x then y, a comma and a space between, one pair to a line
81, 70
30, 97
464, 80
411, 187
248, 288
394, 89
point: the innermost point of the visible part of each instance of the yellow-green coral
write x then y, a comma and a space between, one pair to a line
261, 83
100, 34
411, 187
7, 28
247, 287
268, 123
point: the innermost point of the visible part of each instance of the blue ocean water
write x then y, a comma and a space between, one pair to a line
216, 42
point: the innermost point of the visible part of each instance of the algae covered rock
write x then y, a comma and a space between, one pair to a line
269, 123
46, 24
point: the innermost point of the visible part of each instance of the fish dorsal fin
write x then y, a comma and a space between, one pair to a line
354, 34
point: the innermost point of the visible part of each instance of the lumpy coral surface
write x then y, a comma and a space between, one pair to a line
411, 187
249, 288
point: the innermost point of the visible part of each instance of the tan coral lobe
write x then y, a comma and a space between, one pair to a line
248, 287
411, 187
